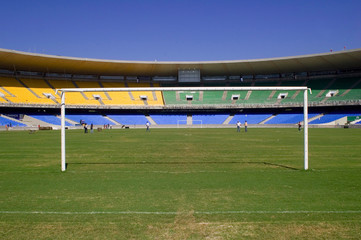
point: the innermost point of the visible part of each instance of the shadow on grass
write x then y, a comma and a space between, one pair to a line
180, 163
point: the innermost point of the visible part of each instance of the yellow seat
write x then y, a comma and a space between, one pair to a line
20, 94
72, 98
40, 87
118, 98
151, 99
90, 95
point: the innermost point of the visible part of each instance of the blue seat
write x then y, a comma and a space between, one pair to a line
51, 119
5, 121
89, 119
253, 118
129, 119
209, 118
169, 118
289, 118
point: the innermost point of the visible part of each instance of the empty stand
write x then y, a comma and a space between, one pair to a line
349, 89
145, 98
41, 89
17, 92
73, 98
7, 121
169, 118
253, 118
21, 90
209, 118
289, 118
48, 118
89, 119
100, 97
129, 119
331, 117
117, 98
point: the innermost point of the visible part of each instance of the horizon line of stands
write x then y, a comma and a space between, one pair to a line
185, 119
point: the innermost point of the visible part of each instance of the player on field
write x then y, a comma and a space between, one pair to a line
147, 126
238, 124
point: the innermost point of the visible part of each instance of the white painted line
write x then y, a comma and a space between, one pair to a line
175, 213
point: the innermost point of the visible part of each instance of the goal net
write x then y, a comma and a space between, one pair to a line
177, 89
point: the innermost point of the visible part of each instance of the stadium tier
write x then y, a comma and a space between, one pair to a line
128, 119
253, 118
50, 119
15, 90
209, 118
291, 118
89, 119
42, 91
28, 87
10, 123
165, 119
334, 116
225, 119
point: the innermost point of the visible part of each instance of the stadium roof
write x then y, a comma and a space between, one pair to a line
24, 61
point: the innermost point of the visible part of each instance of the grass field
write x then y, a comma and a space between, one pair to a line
181, 184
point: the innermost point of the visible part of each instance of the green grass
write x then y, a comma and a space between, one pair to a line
181, 184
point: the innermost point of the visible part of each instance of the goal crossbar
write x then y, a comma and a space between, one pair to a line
144, 89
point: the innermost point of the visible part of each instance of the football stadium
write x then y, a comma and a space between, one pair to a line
153, 150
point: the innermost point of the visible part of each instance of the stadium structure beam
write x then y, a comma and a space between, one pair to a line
65, 90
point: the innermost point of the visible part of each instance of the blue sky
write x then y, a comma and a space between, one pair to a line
177, 30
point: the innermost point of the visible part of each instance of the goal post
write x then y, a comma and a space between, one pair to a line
150, 89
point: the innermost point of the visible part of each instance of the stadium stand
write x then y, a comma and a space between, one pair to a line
31, 88
289, 118
348, 89
129, 119
51, 119
73, 98
41, 89
145, 98
5, 121
16, 92
331, 117
318, 87
100, 97
117, 98
89, 119
252, 118
164, 119
209, 118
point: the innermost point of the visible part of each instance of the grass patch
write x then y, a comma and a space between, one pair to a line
180, 184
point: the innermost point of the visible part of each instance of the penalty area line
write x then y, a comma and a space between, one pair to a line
176, 213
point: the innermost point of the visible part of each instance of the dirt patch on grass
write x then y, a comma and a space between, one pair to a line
186, 226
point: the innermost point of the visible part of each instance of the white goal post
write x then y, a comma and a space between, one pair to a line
150, 89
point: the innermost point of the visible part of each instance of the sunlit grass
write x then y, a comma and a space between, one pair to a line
180, 183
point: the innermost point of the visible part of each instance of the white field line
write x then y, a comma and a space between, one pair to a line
176, 213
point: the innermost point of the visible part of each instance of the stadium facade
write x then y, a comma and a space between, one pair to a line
28, 82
